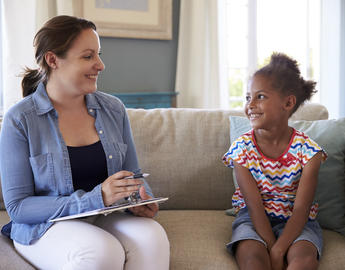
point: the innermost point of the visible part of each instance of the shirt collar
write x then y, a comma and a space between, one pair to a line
41, 100
92, 102
44, 105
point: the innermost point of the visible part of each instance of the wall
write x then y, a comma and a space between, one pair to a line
137, 65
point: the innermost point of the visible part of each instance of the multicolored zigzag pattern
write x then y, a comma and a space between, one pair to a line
277, 179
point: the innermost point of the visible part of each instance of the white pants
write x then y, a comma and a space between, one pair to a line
116, 241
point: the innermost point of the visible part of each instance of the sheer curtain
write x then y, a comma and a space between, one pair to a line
18, 27
200, 77
20, 21
333, 57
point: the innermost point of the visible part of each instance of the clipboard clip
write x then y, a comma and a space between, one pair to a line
134, 198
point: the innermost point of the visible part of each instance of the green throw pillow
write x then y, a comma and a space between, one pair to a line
330, 193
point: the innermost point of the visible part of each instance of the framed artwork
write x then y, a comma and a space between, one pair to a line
144, 19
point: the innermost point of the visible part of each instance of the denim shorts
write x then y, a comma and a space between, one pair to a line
243, 229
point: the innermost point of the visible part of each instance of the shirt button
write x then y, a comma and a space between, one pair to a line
91, 110
100, 132
110, 156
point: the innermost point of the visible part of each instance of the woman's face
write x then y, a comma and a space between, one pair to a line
78, 71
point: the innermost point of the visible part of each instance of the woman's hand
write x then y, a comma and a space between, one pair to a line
115, 187
148, 210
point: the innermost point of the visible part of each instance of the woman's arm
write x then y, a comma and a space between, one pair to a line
304, 199
29, 200
252, 197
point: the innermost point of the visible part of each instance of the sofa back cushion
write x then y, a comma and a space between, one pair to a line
182, 150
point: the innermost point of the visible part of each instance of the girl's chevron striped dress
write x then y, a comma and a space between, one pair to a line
277, 179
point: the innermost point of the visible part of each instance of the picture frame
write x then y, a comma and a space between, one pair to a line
141, 19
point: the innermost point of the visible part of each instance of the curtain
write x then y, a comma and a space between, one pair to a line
18, 27
21, 20
200, 74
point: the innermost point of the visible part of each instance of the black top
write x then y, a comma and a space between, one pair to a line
89, 165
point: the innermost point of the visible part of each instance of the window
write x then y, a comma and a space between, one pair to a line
1, 65
257, 28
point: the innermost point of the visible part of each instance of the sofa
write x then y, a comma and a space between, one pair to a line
182, 150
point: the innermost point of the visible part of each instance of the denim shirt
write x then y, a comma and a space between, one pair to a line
35, 167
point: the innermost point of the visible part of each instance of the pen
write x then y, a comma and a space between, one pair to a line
138, 175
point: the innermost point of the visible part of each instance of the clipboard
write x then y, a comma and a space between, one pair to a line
110, 209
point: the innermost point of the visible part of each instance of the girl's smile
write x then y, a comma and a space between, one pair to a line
253, 116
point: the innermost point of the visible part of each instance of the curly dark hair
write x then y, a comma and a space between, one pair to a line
286, 77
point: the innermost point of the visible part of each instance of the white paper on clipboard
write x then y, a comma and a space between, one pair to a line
110, 209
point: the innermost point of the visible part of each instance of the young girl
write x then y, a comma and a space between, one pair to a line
276, 168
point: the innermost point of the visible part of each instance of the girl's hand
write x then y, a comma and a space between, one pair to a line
277, 258
270, 242
115, 187
148, 210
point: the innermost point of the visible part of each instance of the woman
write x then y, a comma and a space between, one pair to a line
66, 149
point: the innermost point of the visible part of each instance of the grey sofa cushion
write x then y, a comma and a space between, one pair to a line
9, 258
198, 239
183, 155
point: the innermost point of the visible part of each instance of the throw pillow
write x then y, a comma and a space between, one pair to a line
330, 193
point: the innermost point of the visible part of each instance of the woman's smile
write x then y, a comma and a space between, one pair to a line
92, 77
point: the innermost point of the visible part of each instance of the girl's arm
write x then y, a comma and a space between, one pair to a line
304, 199
253, 200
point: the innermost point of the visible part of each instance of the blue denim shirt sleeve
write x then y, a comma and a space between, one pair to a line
35, 170
19, 185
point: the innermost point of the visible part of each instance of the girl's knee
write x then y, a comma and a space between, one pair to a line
304, 262
302, 255
252, 254
254, 261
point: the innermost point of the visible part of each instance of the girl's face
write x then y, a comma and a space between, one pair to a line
78, 71
265, 106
